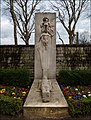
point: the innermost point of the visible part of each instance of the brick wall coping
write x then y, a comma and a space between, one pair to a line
59, 45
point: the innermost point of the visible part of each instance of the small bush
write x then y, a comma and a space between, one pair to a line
74, 77
15, 77
9, 105
80, 107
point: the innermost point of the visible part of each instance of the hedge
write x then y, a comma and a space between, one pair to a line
9, 105
80, 107
15, 77
74, 77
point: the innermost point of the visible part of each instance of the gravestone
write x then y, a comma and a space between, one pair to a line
51, 52
45, 98
45, 52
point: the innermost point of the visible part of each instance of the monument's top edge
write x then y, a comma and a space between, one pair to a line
45, 13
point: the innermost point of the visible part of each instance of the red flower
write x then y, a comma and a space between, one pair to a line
65, 89
70, 94
66, 93
27, 91
74, 94
3, 86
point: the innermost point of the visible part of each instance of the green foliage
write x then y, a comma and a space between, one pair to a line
80, 107
15, 77
74, 77
9, 105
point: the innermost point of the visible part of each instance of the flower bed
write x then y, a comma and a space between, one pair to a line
12, 99
76, 92
15, 92
78, 98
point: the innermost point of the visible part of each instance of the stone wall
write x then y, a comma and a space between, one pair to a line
67, 57
73, 57
17, 57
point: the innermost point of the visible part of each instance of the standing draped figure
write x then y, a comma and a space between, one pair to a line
44, 46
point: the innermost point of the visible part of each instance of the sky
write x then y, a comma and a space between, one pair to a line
6, 37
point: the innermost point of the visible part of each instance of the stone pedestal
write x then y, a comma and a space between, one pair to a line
45, 100
35, 108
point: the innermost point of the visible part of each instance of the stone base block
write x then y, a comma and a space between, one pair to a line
45, 112
35, 108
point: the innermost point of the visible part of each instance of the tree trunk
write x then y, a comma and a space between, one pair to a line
15, 33
71, 36
70, 39
14, 20
27, 43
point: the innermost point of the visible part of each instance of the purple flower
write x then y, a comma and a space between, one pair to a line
79, 96
18, 91
74, 97
23, 88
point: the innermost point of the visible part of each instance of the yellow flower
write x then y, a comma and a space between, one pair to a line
13, 93
14, 97
3, 90
70, 97
28, 86
23, 93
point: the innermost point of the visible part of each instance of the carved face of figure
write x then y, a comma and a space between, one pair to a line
45, 24
45, 19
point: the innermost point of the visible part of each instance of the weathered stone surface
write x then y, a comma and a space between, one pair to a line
34, 107
45, 89
21, 117
51, 47
17, 57
45, 50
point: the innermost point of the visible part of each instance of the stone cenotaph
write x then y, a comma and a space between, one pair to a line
45, 98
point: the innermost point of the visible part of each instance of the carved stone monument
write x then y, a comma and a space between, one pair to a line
45, 37
45, 98
45, 53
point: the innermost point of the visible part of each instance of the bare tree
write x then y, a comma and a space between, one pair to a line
10, 9
60, 37
89, 10
22, 13
69, 12
85, 38
14, 20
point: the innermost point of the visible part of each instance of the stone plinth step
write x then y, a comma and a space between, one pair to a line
34, 107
